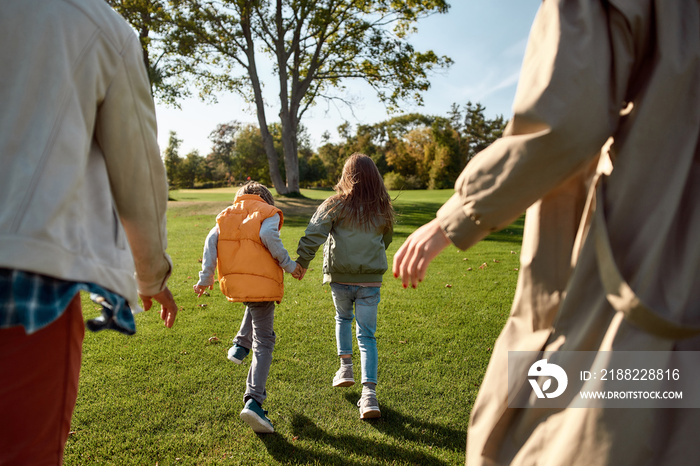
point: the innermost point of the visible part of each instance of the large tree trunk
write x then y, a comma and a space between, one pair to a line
287, 117
268, 142
271, 153
291, 156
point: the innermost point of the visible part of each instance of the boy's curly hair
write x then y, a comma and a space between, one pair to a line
253, 187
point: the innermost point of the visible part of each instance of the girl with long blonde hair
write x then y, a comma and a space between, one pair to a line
356, 225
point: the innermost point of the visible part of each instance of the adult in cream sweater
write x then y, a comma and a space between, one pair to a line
83, 194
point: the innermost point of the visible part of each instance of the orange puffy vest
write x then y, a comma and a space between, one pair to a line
247, 270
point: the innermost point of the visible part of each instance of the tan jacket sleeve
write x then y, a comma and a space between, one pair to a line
566, 106
126, 132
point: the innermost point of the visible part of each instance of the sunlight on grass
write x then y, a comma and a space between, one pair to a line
170, 396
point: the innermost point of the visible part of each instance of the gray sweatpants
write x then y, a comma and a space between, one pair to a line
257, 333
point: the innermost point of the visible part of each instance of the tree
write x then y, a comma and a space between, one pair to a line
190, 170
238, 152
152, 21
182, 172
476, 131
333, 156
446, 164
312, 172
172, 159
315, 46
219, 162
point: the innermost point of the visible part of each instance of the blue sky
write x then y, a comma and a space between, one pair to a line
485, 38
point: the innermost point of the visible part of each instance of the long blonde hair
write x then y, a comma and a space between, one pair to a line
362, 198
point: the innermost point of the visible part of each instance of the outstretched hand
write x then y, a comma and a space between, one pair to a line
168, 308
421, 247
299, 272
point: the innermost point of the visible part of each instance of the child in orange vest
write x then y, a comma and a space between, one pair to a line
359, 221
246, 250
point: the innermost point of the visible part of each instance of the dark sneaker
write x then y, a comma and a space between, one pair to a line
369, 407
237, 353
256, 418
344, 377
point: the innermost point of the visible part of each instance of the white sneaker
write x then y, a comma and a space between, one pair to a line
369, 407
344, 377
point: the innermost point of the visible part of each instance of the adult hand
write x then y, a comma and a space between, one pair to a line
200, 289
413, 257
168, 308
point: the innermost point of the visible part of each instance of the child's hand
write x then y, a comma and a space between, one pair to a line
200, 289
299, 272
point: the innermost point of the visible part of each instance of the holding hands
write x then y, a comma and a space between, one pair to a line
299, 272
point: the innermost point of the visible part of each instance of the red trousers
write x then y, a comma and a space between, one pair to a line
38, 389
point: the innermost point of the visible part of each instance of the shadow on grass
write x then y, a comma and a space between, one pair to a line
406, 428
513, 233
417, 215
304, 428
392, 423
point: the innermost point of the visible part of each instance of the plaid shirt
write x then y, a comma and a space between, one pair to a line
35, 301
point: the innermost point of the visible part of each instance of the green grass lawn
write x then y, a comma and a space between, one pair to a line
170, 396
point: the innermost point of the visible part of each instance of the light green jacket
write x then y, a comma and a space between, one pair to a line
350, 255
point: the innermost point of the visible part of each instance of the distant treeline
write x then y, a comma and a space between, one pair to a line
412, 151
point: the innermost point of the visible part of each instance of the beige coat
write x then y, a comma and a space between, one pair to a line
82, 184
626, 72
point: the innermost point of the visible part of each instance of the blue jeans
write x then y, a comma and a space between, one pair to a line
366, 300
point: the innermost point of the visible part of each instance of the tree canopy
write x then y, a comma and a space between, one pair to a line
314, 47
411, 151
153, 22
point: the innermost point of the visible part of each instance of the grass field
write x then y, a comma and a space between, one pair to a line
170, 396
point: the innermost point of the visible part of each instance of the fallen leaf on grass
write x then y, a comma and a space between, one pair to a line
495, 260
469, 269
213, 339
202, 305
483, 266
448, 286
